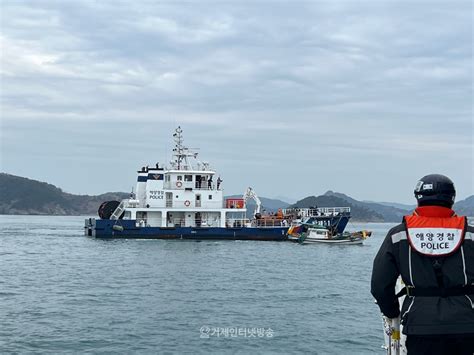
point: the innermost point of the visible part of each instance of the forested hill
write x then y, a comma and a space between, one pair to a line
19, 195
465, 207
358, 213
373, 211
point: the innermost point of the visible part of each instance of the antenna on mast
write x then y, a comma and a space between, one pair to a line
179, 149
181, 153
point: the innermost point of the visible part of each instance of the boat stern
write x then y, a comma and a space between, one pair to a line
109, 228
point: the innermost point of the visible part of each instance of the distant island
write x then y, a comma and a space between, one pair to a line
19, 195
23, 196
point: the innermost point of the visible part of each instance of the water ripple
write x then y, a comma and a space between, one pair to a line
62, 292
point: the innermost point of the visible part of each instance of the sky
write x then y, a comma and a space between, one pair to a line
290, 98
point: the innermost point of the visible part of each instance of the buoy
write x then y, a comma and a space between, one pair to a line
117, 228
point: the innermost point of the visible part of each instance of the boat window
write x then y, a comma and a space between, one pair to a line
179, 177
188, 178
210, 197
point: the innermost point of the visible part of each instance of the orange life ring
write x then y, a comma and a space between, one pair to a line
187, 203
179, 184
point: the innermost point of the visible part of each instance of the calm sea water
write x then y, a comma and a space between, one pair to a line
63, 292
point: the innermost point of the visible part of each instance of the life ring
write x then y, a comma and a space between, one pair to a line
179, 184
187, 203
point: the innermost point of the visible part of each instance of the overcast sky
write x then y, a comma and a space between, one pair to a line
291, 98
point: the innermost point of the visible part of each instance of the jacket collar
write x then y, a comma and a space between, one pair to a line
434, 211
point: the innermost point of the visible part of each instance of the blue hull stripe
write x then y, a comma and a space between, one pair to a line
103, 228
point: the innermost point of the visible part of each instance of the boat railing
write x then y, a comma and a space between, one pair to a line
317, 212
237, 222
178, 185
270, 223
181, 222
261, 223
234, 223
229, 223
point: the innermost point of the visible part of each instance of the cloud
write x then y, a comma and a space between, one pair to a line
321, 81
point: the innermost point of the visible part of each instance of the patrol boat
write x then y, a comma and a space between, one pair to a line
185, 201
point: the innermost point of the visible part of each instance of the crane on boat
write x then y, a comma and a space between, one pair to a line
250, 194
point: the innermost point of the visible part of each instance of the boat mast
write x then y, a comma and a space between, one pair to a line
181, 153
178, 149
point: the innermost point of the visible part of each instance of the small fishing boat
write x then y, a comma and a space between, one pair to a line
307, 234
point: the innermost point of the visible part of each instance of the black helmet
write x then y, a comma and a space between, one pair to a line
435, 189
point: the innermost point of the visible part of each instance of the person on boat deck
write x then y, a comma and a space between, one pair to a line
219, 181
433, 252
209, 183
279, 214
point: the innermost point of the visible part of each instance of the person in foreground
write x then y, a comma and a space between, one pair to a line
433, 251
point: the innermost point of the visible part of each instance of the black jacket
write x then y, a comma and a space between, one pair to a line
425, 315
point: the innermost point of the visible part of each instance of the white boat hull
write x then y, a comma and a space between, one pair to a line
333, 241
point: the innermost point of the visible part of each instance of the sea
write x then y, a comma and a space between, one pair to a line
62, 292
